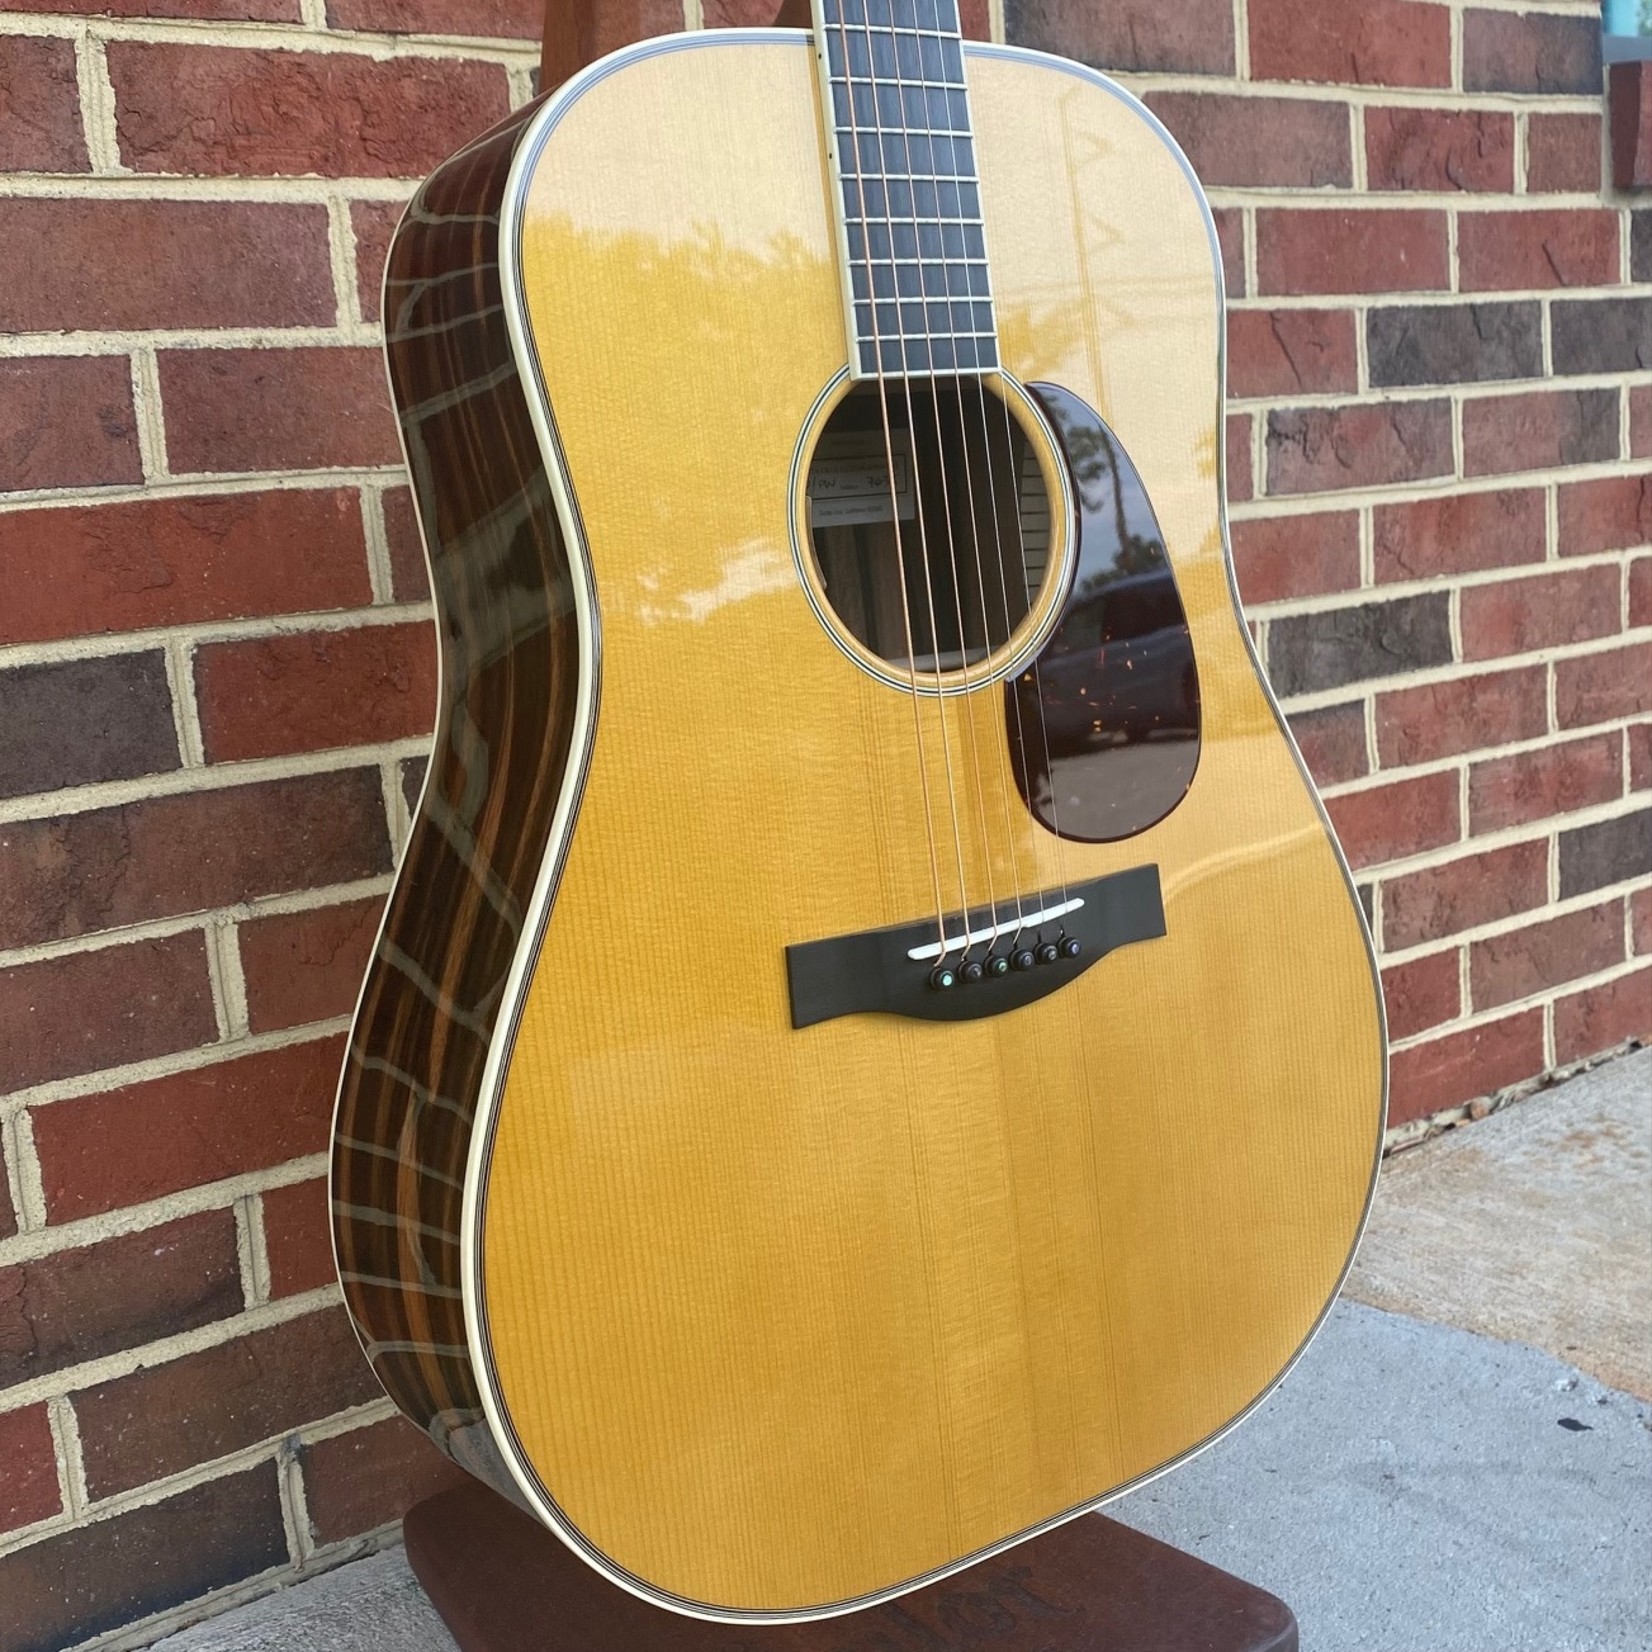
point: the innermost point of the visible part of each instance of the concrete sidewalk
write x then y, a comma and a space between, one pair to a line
1413, 1486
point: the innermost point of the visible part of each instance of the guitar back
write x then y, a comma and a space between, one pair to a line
771, 1318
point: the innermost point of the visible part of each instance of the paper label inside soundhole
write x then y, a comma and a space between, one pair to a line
849, 479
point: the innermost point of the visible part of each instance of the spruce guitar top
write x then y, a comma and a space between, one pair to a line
873, 1048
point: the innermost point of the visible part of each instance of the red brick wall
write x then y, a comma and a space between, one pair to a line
216, 672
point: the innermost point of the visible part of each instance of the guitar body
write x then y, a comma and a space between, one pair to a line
771, 1320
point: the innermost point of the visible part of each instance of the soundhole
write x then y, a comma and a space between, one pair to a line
934, 565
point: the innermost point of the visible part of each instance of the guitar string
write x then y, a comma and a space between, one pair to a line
1004, 780
1038, 689
966, 702
888, 439
906, 380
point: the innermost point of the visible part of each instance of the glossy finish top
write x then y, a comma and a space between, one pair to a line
780, 1321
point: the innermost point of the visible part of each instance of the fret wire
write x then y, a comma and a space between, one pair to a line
938, 262
951, 328
945, 12
862, 57
897, 93
906, 81
907, 218
858, 30
954, 132
969, 219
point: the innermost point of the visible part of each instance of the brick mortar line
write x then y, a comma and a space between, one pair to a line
1446, 100
397, 815
11, 1173
225, 937
377, 47
1461, 393
112, 794
186, 712
341, 247
521, 84
163, 1351
222, 1019
299, 189
99, 645
92, 342
106, 644
245, 1262
1512, 925
1428, 489
55, 1239
213, 485
1461, 761
1458, 203
71, 1457
1467, 760
261, 1283
97, 104
146, 407
1548, 999
242, 912
1451, 671
1544, 1000
1364, 304
380, 574
350, 1421
103, 1079
1545, 828
207, 484
1470, 579
32, 1209
290, 1492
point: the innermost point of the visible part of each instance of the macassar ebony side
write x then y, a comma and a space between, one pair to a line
500, 576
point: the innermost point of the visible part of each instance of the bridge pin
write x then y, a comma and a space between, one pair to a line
998, 965
943, 977
1048, 953
1024, 959
973, 971
1070, 948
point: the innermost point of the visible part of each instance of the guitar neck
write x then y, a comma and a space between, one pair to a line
917, 292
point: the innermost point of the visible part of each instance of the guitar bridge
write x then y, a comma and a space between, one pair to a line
977, 963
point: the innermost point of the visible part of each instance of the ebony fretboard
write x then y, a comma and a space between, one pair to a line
909, 202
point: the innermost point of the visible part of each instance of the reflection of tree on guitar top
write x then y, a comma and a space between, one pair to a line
1093, 456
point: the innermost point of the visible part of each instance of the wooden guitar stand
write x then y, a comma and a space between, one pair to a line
502, 1583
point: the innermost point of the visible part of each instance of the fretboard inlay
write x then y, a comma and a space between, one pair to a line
910, 206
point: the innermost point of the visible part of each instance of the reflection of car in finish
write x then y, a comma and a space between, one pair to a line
1122, 667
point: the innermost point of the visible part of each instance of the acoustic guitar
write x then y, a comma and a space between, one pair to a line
873, 1048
